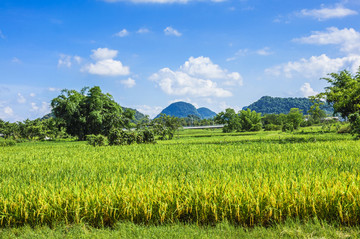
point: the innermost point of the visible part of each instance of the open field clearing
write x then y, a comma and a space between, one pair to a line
244, 179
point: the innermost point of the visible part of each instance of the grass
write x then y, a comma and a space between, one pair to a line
289, 229
201, 178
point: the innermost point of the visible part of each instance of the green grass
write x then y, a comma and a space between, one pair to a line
245, 179
289, 229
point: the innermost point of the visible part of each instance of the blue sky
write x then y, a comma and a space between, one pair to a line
150, 53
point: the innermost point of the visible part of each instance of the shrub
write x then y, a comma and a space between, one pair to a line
344, 129
148, 136
272, 127
7, 142
288, 127
96, 140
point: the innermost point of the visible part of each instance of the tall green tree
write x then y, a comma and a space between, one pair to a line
88, 112
250, 120
230, 120
344, 94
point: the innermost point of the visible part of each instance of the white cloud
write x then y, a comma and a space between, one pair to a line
43, 109
328, 13
32, 94
122, 33
143, 31
348, 39
52, 89
64, 60
9, 111
172, 32
244, 52
196, 78
21, 99
307, 90
129, 83
105, 65
315, 67
103, 54
151, 111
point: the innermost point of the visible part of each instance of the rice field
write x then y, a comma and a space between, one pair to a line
200, 178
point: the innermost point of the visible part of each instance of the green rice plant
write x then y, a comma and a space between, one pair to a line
243, 179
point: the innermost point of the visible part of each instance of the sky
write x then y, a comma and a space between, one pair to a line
150, 53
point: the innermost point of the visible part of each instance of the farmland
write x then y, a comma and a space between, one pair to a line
201, 177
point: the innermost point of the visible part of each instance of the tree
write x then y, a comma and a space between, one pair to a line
88, 112
249, 120
165, 126
230, 120
315, 112
344, 94
293, 119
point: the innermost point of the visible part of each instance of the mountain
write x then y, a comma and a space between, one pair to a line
278, 105
182, 110
206, 113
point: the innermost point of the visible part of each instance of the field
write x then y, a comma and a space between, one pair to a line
202, 178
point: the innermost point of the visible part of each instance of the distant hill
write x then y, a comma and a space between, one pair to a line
278, 105
138, 115
206, 113
182, 110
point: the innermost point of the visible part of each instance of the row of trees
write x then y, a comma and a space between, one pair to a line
247, 120
91, 112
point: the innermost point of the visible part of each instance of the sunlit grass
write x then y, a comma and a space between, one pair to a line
245, 179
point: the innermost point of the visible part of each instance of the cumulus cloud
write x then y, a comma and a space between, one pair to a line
103, 54
169, 31
307, 91
105, 65
20, 98
122, 33
129, 83
328, 13
196, 77
348, 39
315, 67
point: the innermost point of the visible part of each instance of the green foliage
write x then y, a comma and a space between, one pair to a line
249, 120
122, 137
89, 112
165, 126
230, 119
294, 118
96, 140
272, 127
7, 142
354, 120
343, 92
315, 112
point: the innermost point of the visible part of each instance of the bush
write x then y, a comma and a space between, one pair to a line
288, 127
148, 136
96, 140
7, 142
272, 127
121, 137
